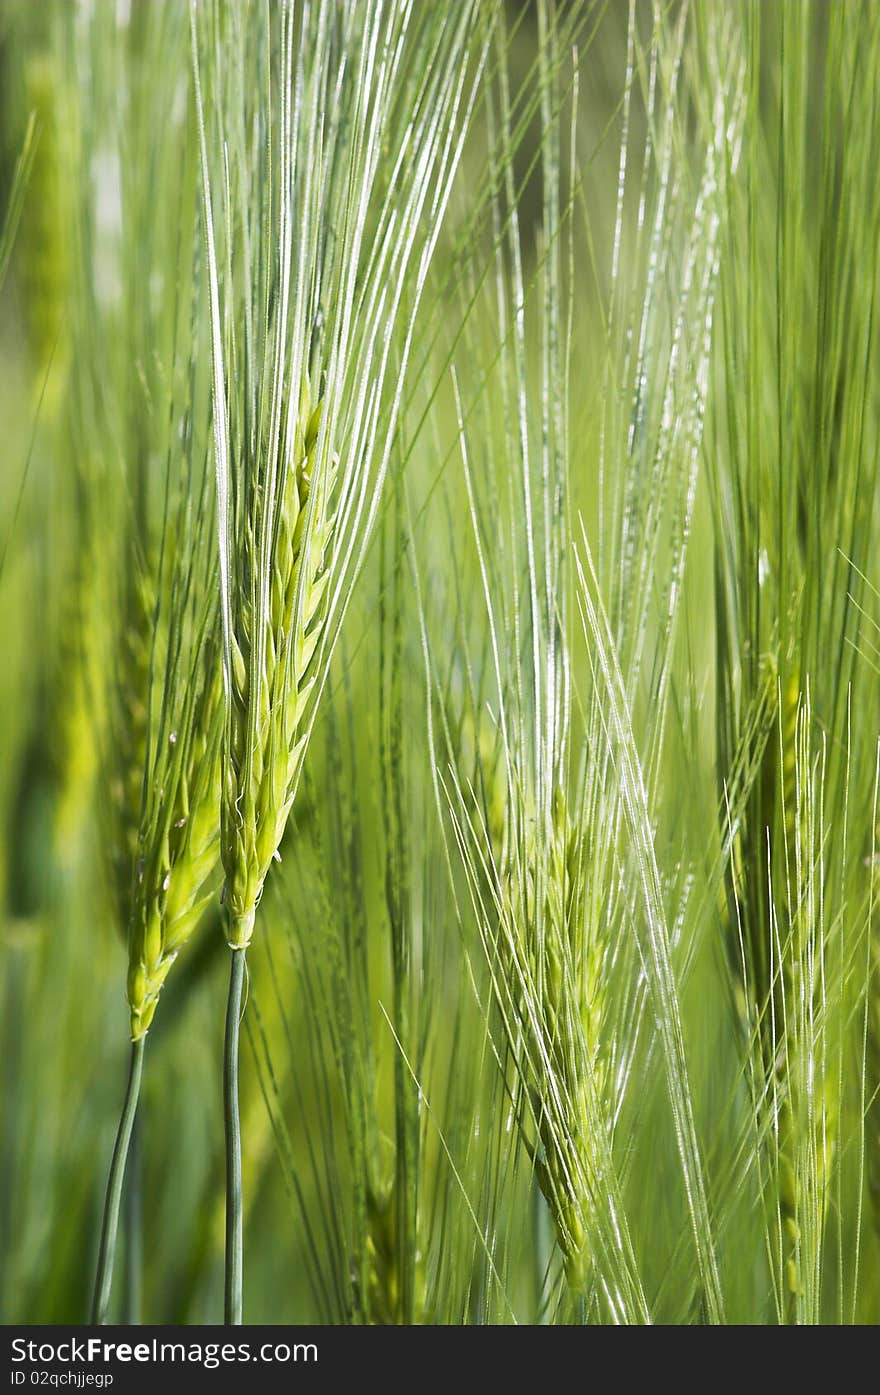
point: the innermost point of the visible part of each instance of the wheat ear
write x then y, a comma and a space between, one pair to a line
271, 683
178, 843
338, 225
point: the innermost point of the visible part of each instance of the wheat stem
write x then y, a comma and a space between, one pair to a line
110, 1223
134, 1238
232, 1310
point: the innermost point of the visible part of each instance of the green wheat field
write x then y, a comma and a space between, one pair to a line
440, 681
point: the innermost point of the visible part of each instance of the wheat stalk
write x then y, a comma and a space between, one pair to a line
572, 917
305, 317
787, 472
142, 432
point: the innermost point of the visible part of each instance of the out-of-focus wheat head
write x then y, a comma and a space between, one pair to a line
178, 836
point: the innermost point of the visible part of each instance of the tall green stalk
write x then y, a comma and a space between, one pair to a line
233, 1286
134, 1226
304, 403
110, 1223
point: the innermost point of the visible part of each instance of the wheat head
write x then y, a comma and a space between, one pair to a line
177, 842
270, 681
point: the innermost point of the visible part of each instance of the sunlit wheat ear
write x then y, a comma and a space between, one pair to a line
319, 234
178, 841
274, 651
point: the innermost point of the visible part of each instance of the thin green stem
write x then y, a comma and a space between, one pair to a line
110, 1223
233, 1142
134, 1205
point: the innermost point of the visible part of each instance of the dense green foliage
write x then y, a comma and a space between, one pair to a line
438, 553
